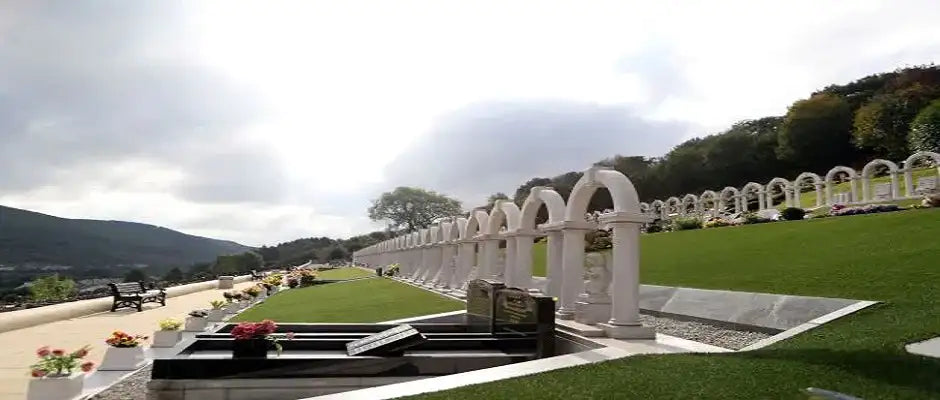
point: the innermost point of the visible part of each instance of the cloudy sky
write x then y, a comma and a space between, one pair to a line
266, 121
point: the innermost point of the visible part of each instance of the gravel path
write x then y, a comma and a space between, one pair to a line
133, 387
702, 332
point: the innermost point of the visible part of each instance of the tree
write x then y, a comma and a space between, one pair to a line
522, 192
135, 275
925, 130
337, 253
816, 132
410, 208
174, 275
52, 287
491, 201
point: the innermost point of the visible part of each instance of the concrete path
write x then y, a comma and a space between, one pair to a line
19, 346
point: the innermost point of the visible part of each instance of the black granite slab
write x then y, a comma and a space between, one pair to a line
386, 343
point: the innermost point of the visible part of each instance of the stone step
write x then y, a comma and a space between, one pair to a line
579, 328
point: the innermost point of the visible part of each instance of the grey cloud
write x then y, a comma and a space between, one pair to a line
83, 84
497, 146
659, 67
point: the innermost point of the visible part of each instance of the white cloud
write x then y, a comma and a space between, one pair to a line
265, 121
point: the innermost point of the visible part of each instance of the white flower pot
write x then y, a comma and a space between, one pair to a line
196, 324
166, 338
231, 308
216, 315
65, 387
123, 359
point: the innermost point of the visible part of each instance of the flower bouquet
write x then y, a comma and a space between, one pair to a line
169, 334
54, 378
254, 339
124, 352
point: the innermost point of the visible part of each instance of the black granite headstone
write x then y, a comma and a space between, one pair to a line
518, 313
481, 294
390, 342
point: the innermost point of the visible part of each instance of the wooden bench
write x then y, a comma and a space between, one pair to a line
135, 294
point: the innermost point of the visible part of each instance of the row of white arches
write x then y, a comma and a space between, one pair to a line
455, 250
714, 203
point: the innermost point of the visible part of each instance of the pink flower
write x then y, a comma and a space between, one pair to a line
86, 367
43, 351
82, 352
58, 352
37, 373
289, 335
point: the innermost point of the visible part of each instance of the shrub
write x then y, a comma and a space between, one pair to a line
171, 324
716, 223
793, 214
52, 287
216, 304
293, 282
597, 240
653, 228
925, 129
684, 224
752, 218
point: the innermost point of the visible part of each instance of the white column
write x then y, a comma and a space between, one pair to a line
625, 287
555, 244
447, 270
509, 269
908, 182
895, 189
524, 242
487, 265
572, 267
466, 253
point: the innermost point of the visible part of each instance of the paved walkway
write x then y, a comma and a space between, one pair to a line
19, 346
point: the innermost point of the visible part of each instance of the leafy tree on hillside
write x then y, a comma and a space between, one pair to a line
174, 275
52, 287
337, 253
491, 201
237, 263
523, 191
410, 208
816, 133
925, 130
883, 124
135, 275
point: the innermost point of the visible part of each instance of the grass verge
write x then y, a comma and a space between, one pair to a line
891, 257
366, 300
344, 273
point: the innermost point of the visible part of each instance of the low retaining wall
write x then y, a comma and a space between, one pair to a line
57, 312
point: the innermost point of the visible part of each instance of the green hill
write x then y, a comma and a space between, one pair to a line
30, 237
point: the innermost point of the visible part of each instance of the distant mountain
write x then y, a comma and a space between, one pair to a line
27, 236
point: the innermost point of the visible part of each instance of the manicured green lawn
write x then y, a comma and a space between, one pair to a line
366, 300
891, 257
344, 273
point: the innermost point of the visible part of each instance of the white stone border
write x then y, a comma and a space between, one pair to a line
810, 325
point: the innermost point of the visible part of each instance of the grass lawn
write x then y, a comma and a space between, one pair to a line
891, 257
366, 300
344, 273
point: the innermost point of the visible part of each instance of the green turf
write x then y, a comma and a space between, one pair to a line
891, 257
366, 300
344, 273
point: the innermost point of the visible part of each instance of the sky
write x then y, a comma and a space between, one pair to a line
268, 121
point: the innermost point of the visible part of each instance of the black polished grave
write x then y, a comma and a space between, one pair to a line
501, 326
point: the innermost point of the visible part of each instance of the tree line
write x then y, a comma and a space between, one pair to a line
887, 115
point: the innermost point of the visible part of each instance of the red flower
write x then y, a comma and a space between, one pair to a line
58, 352
87, 366
43, 351
37, 373
80, 353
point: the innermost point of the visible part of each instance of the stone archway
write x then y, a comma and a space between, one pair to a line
817, 182
504, 213
784, 186
690, 199
555, 205
709, 196
868, 172
758, 190
909, 169
673, 206
830, 176
733, 194
658, 209
625, 221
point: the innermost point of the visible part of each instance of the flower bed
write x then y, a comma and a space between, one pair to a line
839, 210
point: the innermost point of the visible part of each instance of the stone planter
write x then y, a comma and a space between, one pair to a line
123, 359
231, 308
65, 387
166, 338
216, 315
251, 348
196, 324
